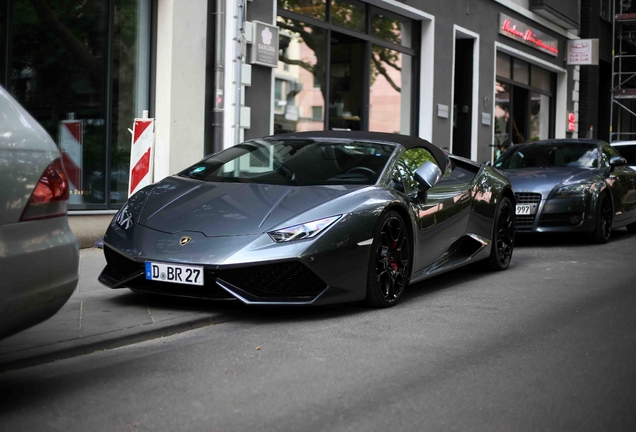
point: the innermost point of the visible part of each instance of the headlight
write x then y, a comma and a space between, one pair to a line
572, 191
302, 231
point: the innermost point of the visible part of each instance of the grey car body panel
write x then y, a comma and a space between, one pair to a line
39, 259
451, 224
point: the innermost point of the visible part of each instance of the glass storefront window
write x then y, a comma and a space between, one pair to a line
502, 117
541, 78
131, 69
59, 55
503, 65
370, 81
350, 14
391, 28
301, 85
390, 95
539, 116
65, 58
521, 71
313, 8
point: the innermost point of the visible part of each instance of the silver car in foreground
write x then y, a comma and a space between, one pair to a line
39, 255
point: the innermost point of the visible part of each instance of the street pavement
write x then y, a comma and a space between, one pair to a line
97, 318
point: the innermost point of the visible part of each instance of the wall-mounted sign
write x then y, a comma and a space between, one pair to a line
571, 122
583, 52
520, 32
265, 45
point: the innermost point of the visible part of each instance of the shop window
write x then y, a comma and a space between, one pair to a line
370, 68
542, 79
606, 10
521, 71
59, 59
502, 117
316, 113
392, 28
349, 14
303, 85
540, 115
390, 94
504, 62
315, 8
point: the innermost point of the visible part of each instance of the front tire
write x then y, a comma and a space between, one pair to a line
503, 239
603, 223
389, 267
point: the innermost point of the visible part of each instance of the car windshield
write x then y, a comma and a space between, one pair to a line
295, 162
628, 152
549, 154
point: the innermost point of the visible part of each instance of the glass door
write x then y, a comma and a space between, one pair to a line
346, 82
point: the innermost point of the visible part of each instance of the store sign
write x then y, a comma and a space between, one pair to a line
265, 45
520, 32
583, 52
571, 122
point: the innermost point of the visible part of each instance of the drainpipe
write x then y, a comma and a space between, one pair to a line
219, 76
238, 69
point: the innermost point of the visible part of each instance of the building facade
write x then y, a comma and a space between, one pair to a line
471, 76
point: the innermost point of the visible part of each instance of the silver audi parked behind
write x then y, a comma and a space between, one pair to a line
39, 255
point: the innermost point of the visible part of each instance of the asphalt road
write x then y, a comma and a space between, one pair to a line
549, 344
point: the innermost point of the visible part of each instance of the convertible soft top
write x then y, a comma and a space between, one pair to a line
404, 140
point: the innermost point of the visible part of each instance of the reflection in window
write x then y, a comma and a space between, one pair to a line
131, 69
502, 117
58, 81
539, 116
390, 94
313, 8
302, 83
503, 65
59, 62
392, 28
349, 14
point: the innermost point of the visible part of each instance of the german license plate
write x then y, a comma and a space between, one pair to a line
174, 273
523, 209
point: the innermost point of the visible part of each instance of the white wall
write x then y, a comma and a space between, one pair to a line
180, 87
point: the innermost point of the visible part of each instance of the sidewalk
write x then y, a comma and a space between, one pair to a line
97, 318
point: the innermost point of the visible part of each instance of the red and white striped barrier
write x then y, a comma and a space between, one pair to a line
71, 139
141, 154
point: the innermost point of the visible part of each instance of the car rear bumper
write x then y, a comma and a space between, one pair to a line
39, 264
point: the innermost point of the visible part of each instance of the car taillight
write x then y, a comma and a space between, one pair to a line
50, 196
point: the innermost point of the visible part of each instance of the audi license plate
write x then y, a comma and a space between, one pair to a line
523, 209
174, 273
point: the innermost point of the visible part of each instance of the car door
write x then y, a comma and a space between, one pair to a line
441, 214
622, 184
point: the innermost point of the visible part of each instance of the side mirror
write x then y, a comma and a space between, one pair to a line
427, 176
616, 161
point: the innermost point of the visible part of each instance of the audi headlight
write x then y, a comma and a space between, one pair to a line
302, 231
572, 191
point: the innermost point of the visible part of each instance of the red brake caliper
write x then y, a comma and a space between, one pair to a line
394, 265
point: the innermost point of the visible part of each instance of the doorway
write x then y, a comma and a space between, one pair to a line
463, 97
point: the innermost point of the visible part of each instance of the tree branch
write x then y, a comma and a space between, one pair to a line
384, 73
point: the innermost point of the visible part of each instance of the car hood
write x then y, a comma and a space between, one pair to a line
543, 180
226, 209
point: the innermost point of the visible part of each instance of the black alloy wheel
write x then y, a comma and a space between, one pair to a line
503, 241
390, 262
604, 216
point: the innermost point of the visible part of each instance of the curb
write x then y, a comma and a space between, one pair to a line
77, 347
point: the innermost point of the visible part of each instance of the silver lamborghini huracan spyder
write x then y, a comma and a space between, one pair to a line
311, 218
